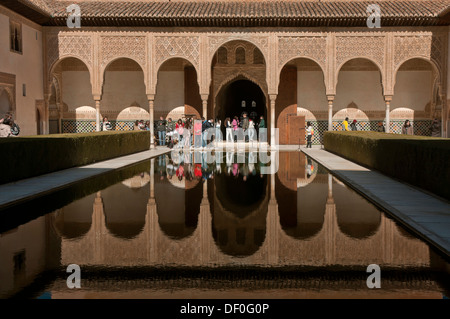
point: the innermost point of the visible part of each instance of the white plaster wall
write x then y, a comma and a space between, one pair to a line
122, 88
361, 87
412, 90
169, 91
311, 93
76, 89
28, 68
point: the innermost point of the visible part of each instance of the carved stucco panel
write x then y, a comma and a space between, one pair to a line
311, 47
133, 47
177, 46
426, 46
349, 47
59, 46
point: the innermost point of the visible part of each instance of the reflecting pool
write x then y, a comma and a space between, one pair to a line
177, 227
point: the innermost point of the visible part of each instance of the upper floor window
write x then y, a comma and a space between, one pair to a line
240, 55
15, 36
222, 55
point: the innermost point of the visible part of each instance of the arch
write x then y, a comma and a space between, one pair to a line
299, 57
86, 112
239, 55
133, 112
56, 64
137, 181
356, 217
75, 219
379, 67
432, 63
103, 69
241, 75
178, 218
125, 219
173, 57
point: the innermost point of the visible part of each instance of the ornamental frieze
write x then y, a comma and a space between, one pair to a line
350, 47
177, 46
133, 47
310, 47
61, 46
426, 46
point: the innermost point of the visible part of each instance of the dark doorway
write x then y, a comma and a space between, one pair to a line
238, 97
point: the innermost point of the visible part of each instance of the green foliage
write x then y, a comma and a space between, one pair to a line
24, 157
418, 160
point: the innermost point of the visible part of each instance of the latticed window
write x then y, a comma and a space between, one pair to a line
257, 57
240, 55
222, 56
16, 37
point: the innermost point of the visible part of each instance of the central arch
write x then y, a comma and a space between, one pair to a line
238, 96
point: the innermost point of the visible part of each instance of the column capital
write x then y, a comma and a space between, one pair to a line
151, 97
330, 98
204, 97
388, 98
273, 97
97, 97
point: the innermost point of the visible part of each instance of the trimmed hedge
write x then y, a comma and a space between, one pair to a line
24, 157
418, 160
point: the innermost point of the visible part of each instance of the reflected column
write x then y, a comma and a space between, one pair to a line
151, 219
99, 227
204, 225
330, 224
272, 225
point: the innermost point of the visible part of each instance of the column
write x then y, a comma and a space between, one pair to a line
151, 109
330, 99
388, 99
330, 225
99, 226
152, 230
44, 115
97, 114
272, 226
204, 226
205, 105
273, 98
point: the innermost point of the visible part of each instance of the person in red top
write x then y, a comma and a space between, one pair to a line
198, 171
179, 128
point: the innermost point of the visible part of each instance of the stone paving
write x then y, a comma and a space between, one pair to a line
426, 215
27, 189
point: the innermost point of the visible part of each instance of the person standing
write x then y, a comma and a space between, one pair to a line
218, 132
161, 129
187, 134
245, 126
179, 129
235, 125
309, 134
106, 124
228, 130
407, 128
251, 131
435, 128
345, 124
353, 126
262, 130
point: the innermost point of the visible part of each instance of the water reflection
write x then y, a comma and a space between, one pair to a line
212, 214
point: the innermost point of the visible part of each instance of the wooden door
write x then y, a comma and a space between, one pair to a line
296, 130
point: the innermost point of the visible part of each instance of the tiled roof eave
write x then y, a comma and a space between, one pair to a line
247, 22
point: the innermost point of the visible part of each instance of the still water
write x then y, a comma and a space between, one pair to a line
175, 227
